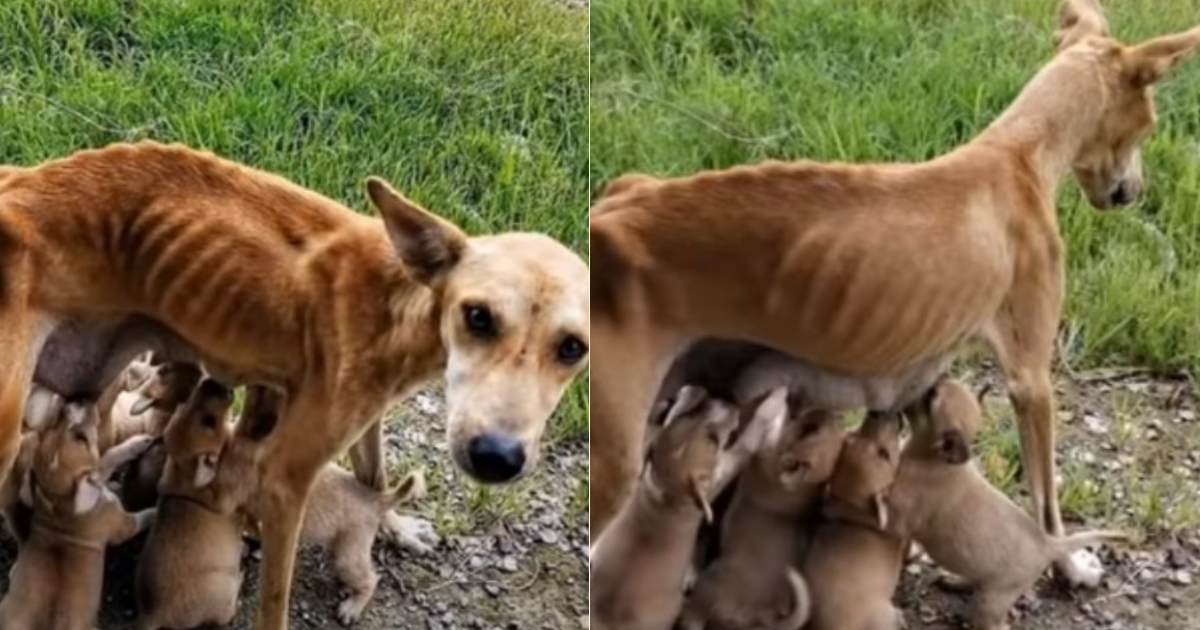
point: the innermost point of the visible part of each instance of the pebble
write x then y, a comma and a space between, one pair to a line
1182, 578
1164, 600
492, 589
549, 536
508, 564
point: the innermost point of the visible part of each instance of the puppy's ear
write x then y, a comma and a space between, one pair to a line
953, 447
206, 469
1078, 19
688, 400
136, 375
697, 490
87, 495
42, 408
141, 405
879, 504
426, 243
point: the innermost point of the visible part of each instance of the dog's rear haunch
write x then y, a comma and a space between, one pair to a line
110, 252
874, 272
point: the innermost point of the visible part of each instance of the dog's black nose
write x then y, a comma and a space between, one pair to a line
496, 457
1124, 194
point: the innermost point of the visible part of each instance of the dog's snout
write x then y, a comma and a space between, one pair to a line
496, 457
1123, 194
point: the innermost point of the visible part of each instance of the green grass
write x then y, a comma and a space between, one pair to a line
683, 85
476, 108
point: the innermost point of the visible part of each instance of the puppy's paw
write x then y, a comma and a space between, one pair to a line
1081, 568
350, 610
412, 533
953, 582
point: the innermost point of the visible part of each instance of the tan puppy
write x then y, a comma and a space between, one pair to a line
117, 422
152, 406
190, 572
941, 500
56, 582
111, 252
854, 564
801, 256
764, 532
638, 566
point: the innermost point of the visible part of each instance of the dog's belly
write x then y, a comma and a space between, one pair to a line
82, 356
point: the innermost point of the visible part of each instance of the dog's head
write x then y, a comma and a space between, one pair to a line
866, 468
687, 451
806, 450
515, 324
1108, 164
164, 387
198, 433
64, 476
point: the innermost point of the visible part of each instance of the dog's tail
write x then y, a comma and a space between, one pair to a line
1067, 545
801, 602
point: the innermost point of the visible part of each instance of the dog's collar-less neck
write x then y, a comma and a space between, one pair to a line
653, 493
192, 500
61, 536
846, 514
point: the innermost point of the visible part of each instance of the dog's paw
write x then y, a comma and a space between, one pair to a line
953, 582
350, 610
412, 533
1081, 568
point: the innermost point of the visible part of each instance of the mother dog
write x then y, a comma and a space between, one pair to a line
873, 272
269, 283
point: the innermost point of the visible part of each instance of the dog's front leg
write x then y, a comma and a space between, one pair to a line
281, 504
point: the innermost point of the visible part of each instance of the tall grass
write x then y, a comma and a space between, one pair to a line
682, 85
476, 108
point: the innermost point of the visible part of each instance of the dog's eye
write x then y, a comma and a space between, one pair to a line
479, 321
571, 350
884, 454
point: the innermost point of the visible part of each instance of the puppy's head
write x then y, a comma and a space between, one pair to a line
686, 452
199, 431
164, 387
1108, 164
866, 468
807, 450
953, 417
64, 476
515, 324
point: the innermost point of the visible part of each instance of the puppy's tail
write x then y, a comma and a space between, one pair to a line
410, 489
801, 602
1070, 544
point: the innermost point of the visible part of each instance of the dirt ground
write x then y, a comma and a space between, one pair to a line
508, 560
1134, 440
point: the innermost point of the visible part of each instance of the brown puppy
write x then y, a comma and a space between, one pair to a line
753, 584
111, 252
800, 256
190, 572
638, 566
941, 500
854, 564
56, 582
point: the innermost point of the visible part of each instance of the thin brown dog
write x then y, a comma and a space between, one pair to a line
108, 253
942, 501
753, 583
57, 579
638, 566
800, 256
854, 565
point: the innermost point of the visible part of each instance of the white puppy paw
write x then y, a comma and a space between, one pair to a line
1082, 568
412, 533
350, 610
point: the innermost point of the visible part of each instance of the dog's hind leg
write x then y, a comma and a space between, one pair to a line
626, 372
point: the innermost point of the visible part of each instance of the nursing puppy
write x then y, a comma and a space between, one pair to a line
854, 564
753, 584
56, 582
964, 523
638, 565
151, 408
190, 570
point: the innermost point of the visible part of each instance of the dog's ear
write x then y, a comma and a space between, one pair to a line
953, 447
136, 375
697, 490
206, 469
42, 408
426, 244
880, 508
1148, 62
1078, 19
87, 495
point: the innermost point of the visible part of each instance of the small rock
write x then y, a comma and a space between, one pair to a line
492, 589
1182, 577
508, 564
1177, 558
1164, 600
549, 536
1095, 424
